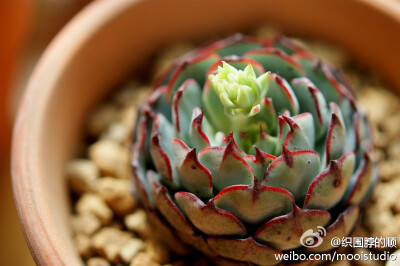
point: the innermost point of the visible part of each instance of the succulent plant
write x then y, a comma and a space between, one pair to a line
245, 144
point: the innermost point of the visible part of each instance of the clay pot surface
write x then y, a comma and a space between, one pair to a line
109, 39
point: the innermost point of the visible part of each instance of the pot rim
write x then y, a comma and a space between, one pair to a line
27, 189
27, 184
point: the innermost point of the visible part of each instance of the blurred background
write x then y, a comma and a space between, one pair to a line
26, 28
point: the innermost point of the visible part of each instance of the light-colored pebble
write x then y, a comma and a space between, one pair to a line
143, 259
130, 249
168, 56
378, 103
82, 244
109, 241
82, 175
329, 53
382, 223
86, 223
111, 157
391, 126
128, 117
158, 252
394, 149
396, 259
116, 132
101, 117
360, 231
97, 261
381, 139
137, 222
131, 94
94, 204
117, 194
389, 169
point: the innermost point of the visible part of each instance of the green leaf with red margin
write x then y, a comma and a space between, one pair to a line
312, 101
284, 232
259, 163
282, 95
166, 206
276, 61
192, 174
208, 218
227, 167
342, 227
293, 171
200, 131
256, 203
186, 98
360, 181
328, 188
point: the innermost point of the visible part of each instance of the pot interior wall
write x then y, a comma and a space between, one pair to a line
109, 40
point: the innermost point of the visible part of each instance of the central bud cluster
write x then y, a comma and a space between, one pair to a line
240, 91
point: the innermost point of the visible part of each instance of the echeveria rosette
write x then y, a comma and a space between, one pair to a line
246, 144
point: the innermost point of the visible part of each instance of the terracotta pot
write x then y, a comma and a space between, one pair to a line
110, 38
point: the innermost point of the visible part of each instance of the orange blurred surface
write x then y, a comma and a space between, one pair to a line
15, 22
26, 27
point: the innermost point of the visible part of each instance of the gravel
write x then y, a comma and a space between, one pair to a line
110, 228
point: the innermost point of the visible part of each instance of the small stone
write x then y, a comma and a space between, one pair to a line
82, 175
330, 53
94, 204
382, 223
109, 241
97, 261
360, 231
132, 94
111, 158
130, 249
128, 117
394, 150
101, 117
381, 139
168, 57
143, 259
82, 244
158, 252
117, 194
391, 126
389, 169
377, 155
396, 205
111, 252
85, 223
117, 224
116, 132
394, 259
137, 222
378, 103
